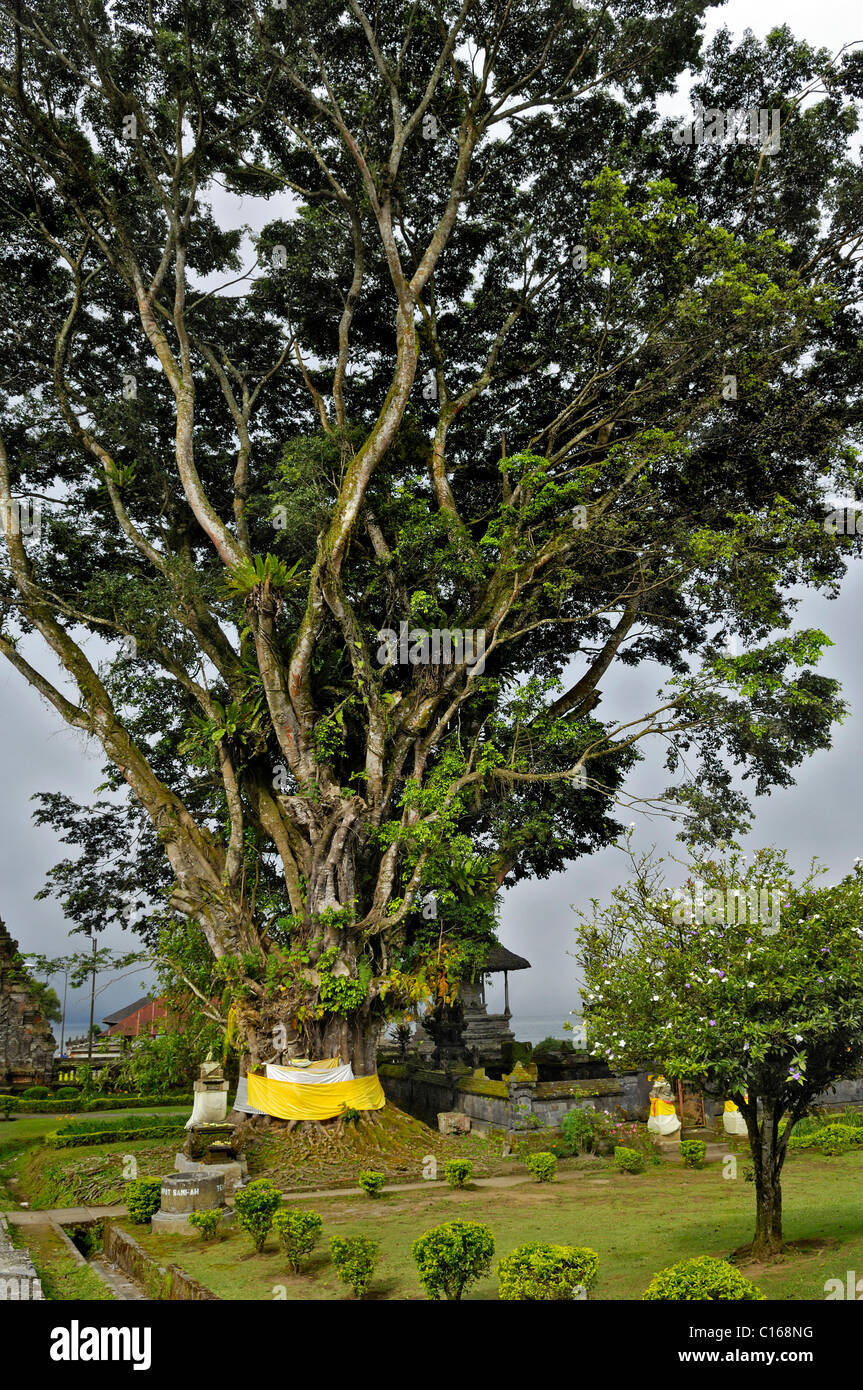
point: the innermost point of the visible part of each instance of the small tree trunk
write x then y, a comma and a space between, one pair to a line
767, 1162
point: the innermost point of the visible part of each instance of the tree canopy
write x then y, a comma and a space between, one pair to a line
507, 359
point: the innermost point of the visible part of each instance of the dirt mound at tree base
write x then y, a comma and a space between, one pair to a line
333, 1154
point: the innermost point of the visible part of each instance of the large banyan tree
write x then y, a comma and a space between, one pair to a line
346, 522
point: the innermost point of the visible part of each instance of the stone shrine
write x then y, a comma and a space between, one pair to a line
209, 1148
198, 1191
465, 1032
27, 1045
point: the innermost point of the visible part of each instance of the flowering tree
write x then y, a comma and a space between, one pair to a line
766, 1015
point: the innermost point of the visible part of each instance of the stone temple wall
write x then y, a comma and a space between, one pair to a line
27, 1045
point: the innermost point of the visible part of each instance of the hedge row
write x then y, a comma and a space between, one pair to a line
65, 1107
110, 1136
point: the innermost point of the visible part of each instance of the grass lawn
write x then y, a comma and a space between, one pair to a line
637, 1224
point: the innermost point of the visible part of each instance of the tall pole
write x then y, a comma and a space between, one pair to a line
63, 1019
92, 1004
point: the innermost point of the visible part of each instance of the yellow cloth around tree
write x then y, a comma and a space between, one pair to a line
287, 1100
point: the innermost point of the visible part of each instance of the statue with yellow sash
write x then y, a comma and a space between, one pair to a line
663, 1116
732, 1120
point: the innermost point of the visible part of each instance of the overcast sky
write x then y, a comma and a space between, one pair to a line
819, 816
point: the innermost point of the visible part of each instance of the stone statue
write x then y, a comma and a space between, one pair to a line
663, 1116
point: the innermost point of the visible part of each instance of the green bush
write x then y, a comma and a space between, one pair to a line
255, 1205
78, 1133
451, 1256
371, 1183
629, 1160
298, 1232
458, 1172
36, 1093
536, 1272
207, 1222
542, 1166
355, 1258
829, 1139
702, 1278
580, 1130
143, 1199
693, 1152
96, 1103
9, 1105
66, 1093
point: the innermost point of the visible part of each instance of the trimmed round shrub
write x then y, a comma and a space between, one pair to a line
702, 1278
542, 1166
143, 1199
9, 1105
372, 1182
207, 1222
299, 1232
458, 1172
628, 1160
693, 1152
67, 1093
355, 1258
36, 1093
537, 1272
256, 1205
452, 1256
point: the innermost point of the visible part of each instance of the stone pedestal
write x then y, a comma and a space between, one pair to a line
233, 1171
198, 1191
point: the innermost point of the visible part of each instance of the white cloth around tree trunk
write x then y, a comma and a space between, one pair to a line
316, 1078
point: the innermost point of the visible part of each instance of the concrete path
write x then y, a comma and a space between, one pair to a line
61, 1216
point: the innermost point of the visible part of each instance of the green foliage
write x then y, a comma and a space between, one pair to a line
607, 374
372, 1182
702, 1278
251, 574
693, 1152
537, 1272
747, 1000
207, 1222
541, 1166
80, 1133
9, 1105
66, 1093
299, 1231
98, 1103
743, 1008
628, 1160
830, 1139
355, 1258
256, 1205
458, 1172
36, 1093
452, 1256
143, 1197
165, 1061
582, 1130
549, 1047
